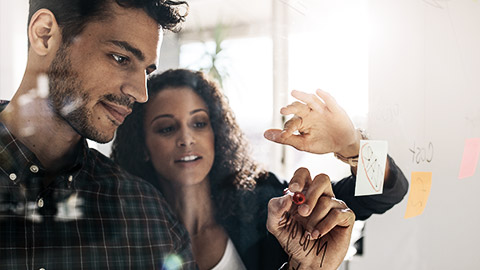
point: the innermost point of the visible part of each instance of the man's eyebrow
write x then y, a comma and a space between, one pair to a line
126, 46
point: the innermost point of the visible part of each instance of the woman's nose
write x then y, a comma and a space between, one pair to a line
186, 139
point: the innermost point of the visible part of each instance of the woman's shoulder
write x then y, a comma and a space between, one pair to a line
267, 186
270, 181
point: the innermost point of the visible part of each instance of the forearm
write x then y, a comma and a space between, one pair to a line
365, 206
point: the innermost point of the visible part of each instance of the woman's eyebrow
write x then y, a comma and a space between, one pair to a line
161, 116
199, 110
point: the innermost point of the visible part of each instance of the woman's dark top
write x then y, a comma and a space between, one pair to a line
261, 250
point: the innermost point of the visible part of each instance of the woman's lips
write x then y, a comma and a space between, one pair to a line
188, 158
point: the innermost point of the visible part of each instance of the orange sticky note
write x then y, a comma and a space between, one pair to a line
419, 192
470, 158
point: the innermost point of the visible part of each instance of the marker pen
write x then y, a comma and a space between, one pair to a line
297, 197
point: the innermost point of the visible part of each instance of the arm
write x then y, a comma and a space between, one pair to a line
324, 127
316, 234
395, 188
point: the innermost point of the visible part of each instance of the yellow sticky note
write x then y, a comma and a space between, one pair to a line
419, 191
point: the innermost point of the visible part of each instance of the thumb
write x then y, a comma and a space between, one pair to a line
273, 135
277, 207
282, 137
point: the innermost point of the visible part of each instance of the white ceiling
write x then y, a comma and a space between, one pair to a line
205, 14
254, 14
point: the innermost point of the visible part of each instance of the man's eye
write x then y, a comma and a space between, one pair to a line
120, 59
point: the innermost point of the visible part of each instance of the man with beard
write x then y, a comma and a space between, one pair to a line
63, 205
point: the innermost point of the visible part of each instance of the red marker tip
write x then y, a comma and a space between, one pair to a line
297, 197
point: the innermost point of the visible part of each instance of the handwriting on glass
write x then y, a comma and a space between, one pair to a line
387, 113
296, 232
422, 154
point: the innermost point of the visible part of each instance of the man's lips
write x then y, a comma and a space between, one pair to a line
117, 111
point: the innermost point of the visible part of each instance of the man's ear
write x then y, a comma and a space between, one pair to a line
44, 33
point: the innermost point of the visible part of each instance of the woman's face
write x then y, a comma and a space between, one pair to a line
179, 136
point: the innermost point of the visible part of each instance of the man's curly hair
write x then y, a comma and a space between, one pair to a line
232, 167
73, 15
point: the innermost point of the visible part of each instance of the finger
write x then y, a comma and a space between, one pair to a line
320, 186
277, 207
292, 125
289, 128
300, 181
324, 205
297, 108
329, 100
336, 217
273, 135
310, 99
280, 136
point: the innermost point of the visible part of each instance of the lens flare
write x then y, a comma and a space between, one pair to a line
172, 262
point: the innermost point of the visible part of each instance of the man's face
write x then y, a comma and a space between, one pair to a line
95, 80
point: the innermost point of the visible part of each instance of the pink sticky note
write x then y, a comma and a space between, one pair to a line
470, 158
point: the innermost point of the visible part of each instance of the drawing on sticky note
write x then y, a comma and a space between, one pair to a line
419, 192
422, 191
372, 159
371, 166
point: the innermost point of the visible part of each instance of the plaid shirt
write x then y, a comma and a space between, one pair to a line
91, 216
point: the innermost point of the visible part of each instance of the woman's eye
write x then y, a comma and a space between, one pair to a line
200, 124
120, 59
165, 130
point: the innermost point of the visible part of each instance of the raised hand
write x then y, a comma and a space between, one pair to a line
319, 125
316, 234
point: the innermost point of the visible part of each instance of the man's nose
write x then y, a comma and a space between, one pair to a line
136, 87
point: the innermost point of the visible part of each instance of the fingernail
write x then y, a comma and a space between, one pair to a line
294, 187
303, 209
315, 234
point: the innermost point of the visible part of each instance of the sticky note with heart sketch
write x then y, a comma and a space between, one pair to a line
372, 159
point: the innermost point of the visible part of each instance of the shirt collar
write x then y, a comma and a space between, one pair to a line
14, 155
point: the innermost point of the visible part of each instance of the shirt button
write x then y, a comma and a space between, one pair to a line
34, 168
13, 176
40, 203
70, 178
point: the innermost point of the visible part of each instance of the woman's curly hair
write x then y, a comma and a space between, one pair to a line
232, 167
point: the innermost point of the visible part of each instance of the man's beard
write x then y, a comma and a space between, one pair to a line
67, 97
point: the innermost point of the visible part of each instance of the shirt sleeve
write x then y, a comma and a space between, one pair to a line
365, 206
183, 255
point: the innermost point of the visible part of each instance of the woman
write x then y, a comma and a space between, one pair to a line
186, 142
